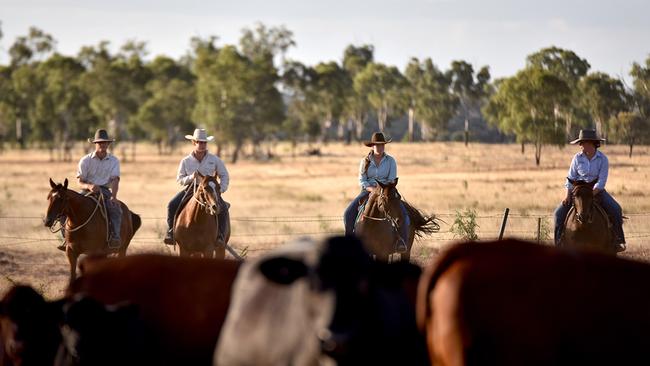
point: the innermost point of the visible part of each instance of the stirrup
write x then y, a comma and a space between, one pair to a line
169, 238
400, 246
62, 246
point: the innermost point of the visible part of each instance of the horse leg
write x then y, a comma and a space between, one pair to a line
72, 259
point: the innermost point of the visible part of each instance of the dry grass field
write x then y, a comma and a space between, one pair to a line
276, 200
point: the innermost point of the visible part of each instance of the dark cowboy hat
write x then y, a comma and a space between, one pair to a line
587, 135
377, 139
100, 136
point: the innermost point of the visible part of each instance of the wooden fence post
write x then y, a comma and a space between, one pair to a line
503, 223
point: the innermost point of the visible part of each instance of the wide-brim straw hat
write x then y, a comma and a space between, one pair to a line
100, 136
199, 135
587, 135
377, 139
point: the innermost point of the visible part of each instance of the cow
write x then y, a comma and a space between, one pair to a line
181, 301
520, 303
322, 302
28, 328
177, 305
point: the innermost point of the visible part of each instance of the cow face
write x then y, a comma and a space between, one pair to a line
368, 307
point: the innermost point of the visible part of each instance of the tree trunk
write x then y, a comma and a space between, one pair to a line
235, 153
538, 152
380, 119
411, 120
631, 145
523, 148
466, 130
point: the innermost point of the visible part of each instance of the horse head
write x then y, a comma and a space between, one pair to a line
583, 199
208, 193
57, 202
387, 198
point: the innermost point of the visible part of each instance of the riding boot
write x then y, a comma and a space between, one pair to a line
169, 237
223, 218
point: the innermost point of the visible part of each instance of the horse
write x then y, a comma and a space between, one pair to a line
86, 227
378, 224
587, 225
196, 227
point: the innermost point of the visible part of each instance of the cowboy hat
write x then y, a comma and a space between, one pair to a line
587, 135
199, 135
100, 136
377, 139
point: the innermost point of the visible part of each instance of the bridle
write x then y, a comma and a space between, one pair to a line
68, 228
587, 217
382, 201
200, 196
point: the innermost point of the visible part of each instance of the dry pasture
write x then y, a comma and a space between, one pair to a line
273, 201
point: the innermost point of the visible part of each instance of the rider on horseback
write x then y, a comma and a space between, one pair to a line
198, 161
589, 165
99, 172
377, 166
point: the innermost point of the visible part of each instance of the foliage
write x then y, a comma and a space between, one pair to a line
384, 86
465, 226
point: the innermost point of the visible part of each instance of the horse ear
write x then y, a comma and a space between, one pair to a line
215, 174
396, 179
381, 184
571, 181
65, 183
199, 174
593, 183
52, 184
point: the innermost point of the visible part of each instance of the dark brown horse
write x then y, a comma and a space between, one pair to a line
86, 228
378, 226
587, 225
196, 227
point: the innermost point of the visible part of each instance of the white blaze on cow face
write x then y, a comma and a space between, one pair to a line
276, 324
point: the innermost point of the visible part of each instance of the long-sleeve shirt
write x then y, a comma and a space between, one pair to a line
587, 170
208, 166
98, 171
385, 173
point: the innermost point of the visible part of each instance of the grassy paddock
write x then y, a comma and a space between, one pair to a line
276, 200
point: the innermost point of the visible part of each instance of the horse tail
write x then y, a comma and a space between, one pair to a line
136, 221
423, 224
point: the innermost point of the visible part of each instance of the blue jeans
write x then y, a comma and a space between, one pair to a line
114, 212
610, 206
351, 212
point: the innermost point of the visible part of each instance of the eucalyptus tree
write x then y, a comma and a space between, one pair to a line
526, 106
355, 60
631, 128
35, 46
641, 87
431, 101
332, 84
168, 110
571, 68
299, 84
604, 98
470, 88
385, 88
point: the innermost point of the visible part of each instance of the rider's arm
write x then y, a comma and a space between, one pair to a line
82, 175
224, 177
364, 182
115, 186
602, 174
572, 174
392, 169
183, 177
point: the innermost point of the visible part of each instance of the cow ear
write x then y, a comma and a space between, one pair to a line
52, 184
283, 271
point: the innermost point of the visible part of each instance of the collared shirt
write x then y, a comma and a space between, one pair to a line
584, 169
97, 171
385, 173
208, 166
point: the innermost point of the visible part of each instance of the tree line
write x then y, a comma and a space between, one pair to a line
250, 93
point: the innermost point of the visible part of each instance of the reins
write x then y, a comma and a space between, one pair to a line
69, 228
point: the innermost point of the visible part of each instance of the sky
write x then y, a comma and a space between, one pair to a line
611, 35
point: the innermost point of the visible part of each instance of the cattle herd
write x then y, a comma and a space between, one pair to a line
328, 303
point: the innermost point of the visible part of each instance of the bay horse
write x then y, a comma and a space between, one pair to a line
196, 228
86, 227
587, 225
378, 225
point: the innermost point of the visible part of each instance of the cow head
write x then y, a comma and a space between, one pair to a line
349, 306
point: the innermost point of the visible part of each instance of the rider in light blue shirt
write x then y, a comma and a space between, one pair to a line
588, 165
380, 167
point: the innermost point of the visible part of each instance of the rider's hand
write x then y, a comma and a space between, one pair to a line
370, 189
113, 199
93, 188
566, 201
595, 191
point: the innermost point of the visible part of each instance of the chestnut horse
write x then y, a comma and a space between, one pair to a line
587, 225
196, 227
86, 228
378, 225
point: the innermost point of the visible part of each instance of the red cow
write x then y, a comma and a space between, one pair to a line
183, 301
518, 303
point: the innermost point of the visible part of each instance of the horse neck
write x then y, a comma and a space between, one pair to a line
586, 202
79, 207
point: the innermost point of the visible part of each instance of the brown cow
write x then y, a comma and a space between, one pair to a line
182, 300
518, 303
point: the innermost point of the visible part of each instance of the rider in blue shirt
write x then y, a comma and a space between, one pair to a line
377, 166
588, 165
